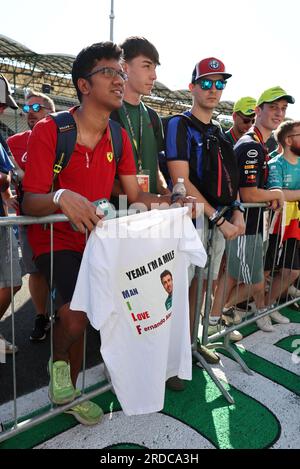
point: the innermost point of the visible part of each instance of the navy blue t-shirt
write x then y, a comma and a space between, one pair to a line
252, 165
183, 142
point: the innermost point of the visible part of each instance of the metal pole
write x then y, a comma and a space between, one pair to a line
111, 17
16, 110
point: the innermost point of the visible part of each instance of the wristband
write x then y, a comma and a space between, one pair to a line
214, 216
220, 224
57, 195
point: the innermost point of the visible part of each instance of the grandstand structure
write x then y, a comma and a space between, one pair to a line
51, 74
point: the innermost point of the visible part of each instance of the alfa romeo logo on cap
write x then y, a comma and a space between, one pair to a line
214, 64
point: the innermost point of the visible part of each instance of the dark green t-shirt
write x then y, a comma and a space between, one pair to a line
150, 144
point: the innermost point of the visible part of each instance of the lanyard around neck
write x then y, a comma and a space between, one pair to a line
234, 138
260, 138
138, 147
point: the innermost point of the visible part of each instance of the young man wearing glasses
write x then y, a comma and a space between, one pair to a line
184, 146
36, 107
243, 118
99, 81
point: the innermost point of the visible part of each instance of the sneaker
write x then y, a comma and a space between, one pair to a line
265, 324
87, 413
235, 336
61, 389
215, 328
208, 355
243, 306
9, 347
294, 292
277, 317
175, 384
41, 325
231, 316
252, 307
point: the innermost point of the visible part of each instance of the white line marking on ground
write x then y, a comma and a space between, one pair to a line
154, 431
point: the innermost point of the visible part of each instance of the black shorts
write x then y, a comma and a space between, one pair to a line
288, 256
66, 265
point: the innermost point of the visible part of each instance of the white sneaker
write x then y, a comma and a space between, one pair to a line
231, 316
277, 317
265, 324
252, 307
235, 336
294, 292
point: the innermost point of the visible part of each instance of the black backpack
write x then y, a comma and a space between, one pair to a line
66, 140
218, 170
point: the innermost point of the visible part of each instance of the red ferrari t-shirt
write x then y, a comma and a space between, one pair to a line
18, 146
90, 173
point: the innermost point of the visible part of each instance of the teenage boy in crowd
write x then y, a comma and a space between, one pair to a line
99, 81
243, 118
284, 244
245, 256
37, 106
187, 137
142, 123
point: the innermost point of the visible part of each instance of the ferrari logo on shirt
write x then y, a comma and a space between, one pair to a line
109, 156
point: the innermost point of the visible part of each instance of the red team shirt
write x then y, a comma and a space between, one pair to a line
90, 173
18, 146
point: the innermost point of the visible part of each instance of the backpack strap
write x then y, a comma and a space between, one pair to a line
154, 121
116, 139
66, 140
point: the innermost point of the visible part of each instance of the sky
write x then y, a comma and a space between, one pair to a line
258, 40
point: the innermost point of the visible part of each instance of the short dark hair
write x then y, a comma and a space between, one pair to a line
89, 56
284, 129
134, 46
164, 274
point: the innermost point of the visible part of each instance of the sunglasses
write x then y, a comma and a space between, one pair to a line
293, 135
207, 84
36, 107
109, 72
247, 120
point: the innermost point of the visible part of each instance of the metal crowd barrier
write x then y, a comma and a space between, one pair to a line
210, 341
19, 427
202, 313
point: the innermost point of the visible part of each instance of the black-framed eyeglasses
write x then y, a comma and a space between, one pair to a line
109, 72
293, 135
246, 120
36, 107
207, 84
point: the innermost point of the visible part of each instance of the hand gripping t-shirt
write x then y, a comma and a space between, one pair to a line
144, 339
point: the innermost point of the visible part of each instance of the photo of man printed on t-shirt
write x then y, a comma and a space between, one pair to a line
167, 282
